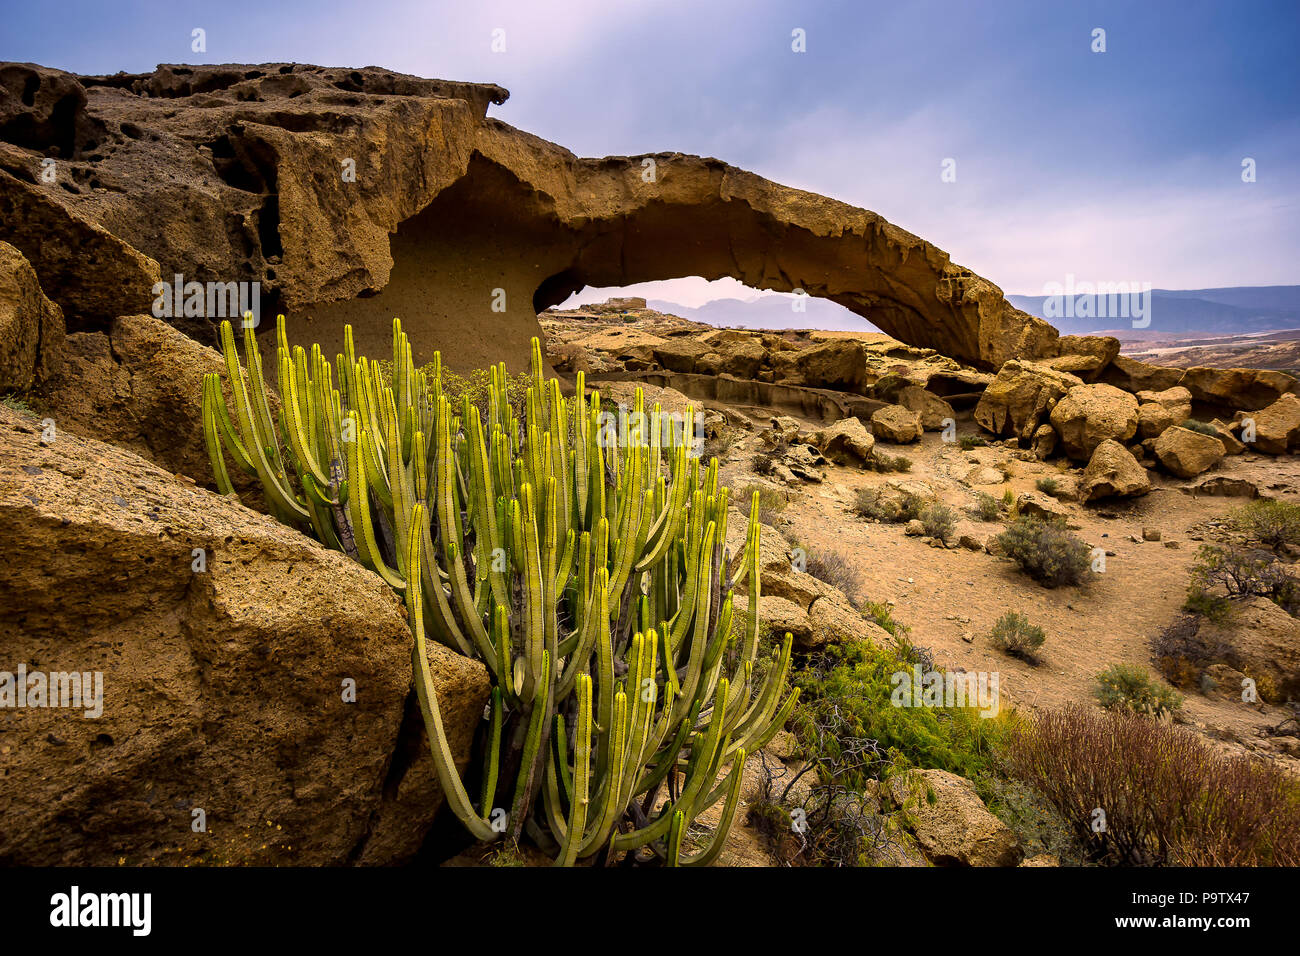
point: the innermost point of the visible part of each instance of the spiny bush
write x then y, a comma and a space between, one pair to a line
939, 521
987, 507
888, 505
1129, 687
1267, 522
830, 566
882, 461
969, 442
1045, 550
1245, 572
1048, 486
1182, 651
1013, 634
1168, 797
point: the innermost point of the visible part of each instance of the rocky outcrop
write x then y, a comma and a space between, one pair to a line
328, 185
934, 411
1134, 376
1021, 396
1264, 643
1113, 472
1163, 409
268, 686
1087, 415
1274, 429
31, 326
1238, 388
140, 386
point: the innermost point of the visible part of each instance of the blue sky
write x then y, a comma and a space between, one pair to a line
1115, 166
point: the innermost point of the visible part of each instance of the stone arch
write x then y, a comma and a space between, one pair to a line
537, 224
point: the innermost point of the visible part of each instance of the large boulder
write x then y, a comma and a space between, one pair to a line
1113, 472
1090, 414
1240, 388
896, 424
1021, 396
140, 386
1164, 409
950, 822
736, 353
31, 326
934, 411
1135, 376
839, 364
847, 437
1274, 429
268, 686
1186, 453
1085, 355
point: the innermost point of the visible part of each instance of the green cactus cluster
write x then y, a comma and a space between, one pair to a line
585, 565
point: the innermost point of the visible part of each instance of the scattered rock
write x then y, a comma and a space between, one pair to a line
1040, 506
896, 424
1275, 428
846, 437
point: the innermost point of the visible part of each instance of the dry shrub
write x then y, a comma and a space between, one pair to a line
1167, 796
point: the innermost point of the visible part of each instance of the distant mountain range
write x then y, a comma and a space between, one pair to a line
770, 311
1229, 311
1220, 311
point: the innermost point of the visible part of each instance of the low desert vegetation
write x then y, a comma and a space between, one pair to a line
939, 521
1201, 428
883, 461
1163, 795
969, 442
1048, 486
987, 507
1129, 687
1046, 551
1241, 573
1013, 634
770, 502
832, 567
1268, 523
887, 505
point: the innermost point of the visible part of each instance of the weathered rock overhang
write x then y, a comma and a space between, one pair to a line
360, 195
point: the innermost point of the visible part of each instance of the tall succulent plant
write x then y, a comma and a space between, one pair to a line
584, 565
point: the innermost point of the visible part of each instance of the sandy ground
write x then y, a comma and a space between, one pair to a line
950, 598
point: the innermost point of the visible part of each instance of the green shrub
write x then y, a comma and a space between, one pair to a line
1046, 551
856, 682
1048, 486
968, 442
939, 521
1210, 606
1273, 524
770, 502
1201, 428
882, 461
1013, 634
830, 566
987, 507
1130, 687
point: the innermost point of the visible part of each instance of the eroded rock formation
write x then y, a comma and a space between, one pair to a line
362, 194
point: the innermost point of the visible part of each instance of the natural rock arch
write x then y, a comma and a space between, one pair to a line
231, 172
